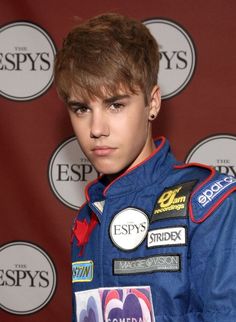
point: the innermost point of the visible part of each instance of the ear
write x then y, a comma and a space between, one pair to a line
155, 103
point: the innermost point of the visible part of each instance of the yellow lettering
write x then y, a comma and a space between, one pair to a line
179, 200
168, 197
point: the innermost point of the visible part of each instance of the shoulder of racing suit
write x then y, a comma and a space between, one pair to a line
208, 194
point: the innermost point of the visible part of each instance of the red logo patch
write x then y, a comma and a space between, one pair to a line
82, 231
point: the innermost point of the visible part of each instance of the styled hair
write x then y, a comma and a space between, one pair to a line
105, 54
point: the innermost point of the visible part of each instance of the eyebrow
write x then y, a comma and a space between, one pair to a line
106, 100
115, 98
73, 102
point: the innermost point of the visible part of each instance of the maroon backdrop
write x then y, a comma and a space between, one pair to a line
31, 130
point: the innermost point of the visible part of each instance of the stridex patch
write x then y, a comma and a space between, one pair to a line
82, 271
173, 203
169, 236
151, 264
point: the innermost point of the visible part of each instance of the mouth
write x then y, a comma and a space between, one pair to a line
103, 150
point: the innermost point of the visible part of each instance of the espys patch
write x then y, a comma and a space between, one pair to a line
171, 236
158, 263
173, 202
128, 228
82, 271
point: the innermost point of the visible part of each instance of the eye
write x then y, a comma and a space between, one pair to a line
79, 109
82, 110
117, 106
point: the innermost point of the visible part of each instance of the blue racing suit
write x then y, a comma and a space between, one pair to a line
164, 224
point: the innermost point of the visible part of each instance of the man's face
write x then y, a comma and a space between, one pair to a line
115, 132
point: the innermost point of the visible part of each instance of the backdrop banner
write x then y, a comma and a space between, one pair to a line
42, 168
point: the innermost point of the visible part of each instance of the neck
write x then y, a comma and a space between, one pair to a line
111, 177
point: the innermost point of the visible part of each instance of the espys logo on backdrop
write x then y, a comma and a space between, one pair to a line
177, 55
69, 172
27, 278
218, 151
26, 61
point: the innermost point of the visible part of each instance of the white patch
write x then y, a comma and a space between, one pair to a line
99, 205
170, 236
129, 228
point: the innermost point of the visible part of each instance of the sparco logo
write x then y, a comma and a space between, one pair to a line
26, 61
129, 228
27, 278
69, 172
214, 189
177, 55
218, 151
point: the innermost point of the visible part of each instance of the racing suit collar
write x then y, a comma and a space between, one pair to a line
152, 169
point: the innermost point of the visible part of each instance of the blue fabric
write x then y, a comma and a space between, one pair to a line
204, 289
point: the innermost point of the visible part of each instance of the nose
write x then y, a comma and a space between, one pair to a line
99, 125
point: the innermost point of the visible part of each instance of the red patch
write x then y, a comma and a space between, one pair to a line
82, 231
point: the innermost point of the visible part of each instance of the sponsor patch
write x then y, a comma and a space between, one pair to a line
213, 190
158, 263
129, 228
171, 236
82, 271
115, 304
173, 202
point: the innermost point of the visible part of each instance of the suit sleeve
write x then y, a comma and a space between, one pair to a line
213, 263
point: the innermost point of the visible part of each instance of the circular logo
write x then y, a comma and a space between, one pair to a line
69, 173
26, 61
177, 55
129, 228
27, 278
218, 151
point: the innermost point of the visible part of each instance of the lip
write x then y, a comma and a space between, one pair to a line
103, 150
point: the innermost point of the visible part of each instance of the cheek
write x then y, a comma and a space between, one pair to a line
78, 126
81, 133
134, 139
132, 123
137, 128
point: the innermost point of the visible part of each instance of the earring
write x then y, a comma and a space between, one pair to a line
152, 116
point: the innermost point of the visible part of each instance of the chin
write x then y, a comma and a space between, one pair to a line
108, 173
109, 170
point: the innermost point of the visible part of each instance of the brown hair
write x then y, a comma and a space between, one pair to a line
108, 52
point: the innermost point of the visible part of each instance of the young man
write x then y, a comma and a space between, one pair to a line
148, 220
